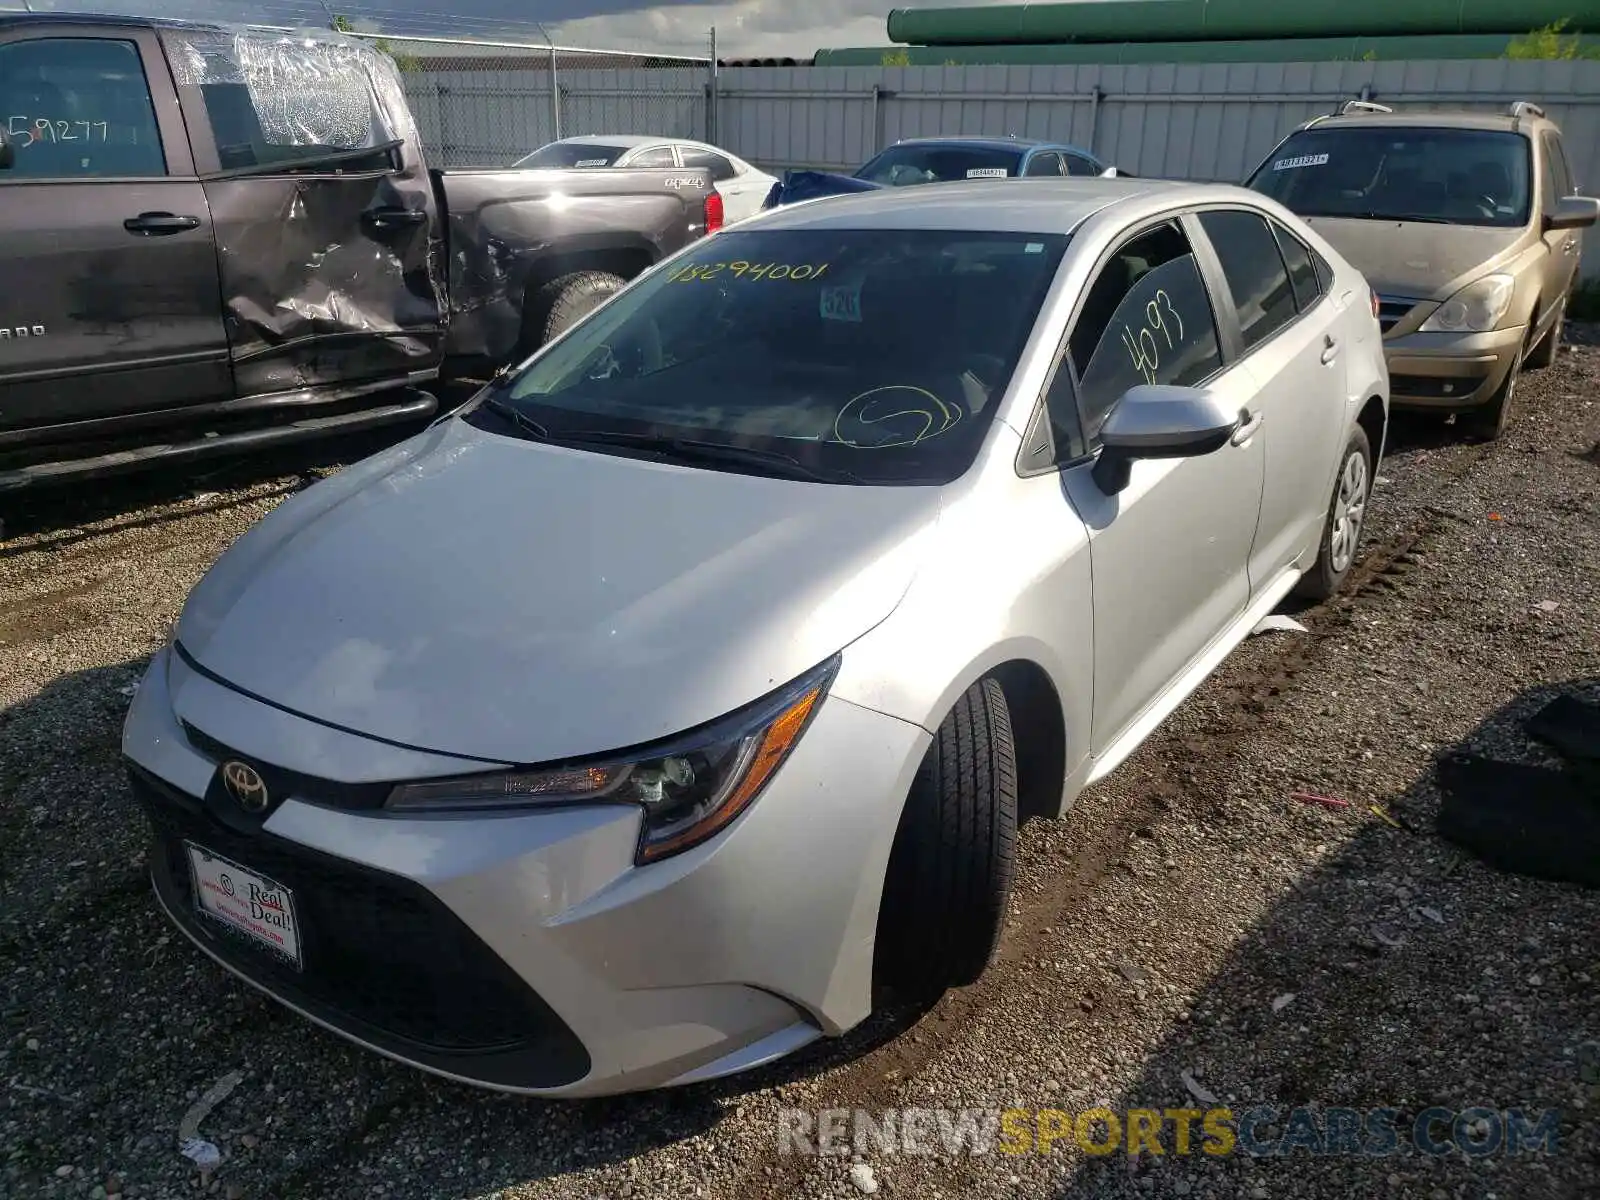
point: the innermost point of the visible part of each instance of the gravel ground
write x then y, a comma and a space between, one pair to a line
1154, 935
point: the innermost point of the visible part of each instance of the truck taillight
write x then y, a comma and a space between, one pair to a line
713, 211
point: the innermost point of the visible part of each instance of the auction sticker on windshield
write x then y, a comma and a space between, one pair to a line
1305, 160
251, 904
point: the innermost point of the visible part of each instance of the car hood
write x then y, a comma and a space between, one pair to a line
480, 595
1413, 259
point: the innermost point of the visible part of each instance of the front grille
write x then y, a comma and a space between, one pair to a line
1391, 310
382, 958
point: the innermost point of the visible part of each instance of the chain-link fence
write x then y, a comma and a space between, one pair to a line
483, 103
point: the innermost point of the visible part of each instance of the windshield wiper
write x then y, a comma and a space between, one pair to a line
518, 418
698, 449
1415, 217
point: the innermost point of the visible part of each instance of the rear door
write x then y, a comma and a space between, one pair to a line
108, 279
742, 196
1291, 346
328, 232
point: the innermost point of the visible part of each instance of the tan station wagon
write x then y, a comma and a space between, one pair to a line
1467, 225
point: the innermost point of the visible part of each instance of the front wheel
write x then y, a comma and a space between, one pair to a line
1544, 354
1489, 422
954, 855
1347, 514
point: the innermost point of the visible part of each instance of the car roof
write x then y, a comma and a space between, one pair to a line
1048, 205
1021, 145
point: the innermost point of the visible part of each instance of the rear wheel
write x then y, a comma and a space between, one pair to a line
1489, 421
1544, 354
954, 855
1347, 514
562, 303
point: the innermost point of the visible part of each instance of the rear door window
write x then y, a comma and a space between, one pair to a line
1257, 279
719, 167
655, 156
1048, 163
78, 108
1146, 318
1077, 164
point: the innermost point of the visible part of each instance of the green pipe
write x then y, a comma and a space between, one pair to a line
1386, 49
1185, 20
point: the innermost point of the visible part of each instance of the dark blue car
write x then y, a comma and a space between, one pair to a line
941, 160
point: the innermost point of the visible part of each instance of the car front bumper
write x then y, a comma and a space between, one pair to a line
524, 951
1450, 370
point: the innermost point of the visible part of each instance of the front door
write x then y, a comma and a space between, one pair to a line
1169, 552
327, 228
1561, 267
109, 301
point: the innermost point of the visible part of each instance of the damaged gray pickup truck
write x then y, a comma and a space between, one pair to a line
218, 238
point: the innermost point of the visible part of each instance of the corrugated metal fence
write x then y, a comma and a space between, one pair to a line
1199, 121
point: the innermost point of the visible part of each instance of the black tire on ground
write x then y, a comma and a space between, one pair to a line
1544, 354
1489, 421
1328, 573
562, 302
954, 855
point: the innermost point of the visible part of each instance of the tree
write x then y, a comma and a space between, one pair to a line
406, 62
896, 58
1551, 42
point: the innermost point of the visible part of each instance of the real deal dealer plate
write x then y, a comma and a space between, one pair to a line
250, 904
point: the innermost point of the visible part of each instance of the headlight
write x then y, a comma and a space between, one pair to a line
1476, 308
689, 789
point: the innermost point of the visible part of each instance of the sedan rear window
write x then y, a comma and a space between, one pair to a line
1402, 173
877, 353
901, 166
565, 155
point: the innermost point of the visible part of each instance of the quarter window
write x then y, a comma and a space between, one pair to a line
1146, 319
78, 108
1078, 165
1302, 272
1257, 278
1048, 163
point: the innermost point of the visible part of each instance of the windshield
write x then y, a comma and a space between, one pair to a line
1456, 176
562, 155
901, 166
874, 354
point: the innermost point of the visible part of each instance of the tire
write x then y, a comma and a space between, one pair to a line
1336, 552
1544, 354
1489, 421
562, 303
954, 856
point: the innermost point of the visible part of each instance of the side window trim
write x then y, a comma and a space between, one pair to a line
175, 146
1230, 333
1227, 295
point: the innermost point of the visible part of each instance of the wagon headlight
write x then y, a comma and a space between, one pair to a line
1476, 308
689, 789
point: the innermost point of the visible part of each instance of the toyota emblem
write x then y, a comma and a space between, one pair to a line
245, 785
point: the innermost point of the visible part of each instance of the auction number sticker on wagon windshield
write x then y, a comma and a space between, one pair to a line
988, 173
1305, 160
250, 904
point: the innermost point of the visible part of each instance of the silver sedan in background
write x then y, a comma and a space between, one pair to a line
621, 728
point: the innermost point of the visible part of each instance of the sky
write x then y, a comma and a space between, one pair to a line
745, 28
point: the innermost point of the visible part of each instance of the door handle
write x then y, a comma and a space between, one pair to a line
393, 218
1252, 422
158, 224
1330, 349
1572, 246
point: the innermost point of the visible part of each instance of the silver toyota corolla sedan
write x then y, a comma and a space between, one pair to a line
621, 728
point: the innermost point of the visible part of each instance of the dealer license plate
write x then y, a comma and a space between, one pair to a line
250, 904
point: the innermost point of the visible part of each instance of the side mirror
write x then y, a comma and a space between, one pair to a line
1158, 421
1573, 212
8, 151
1110, 173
